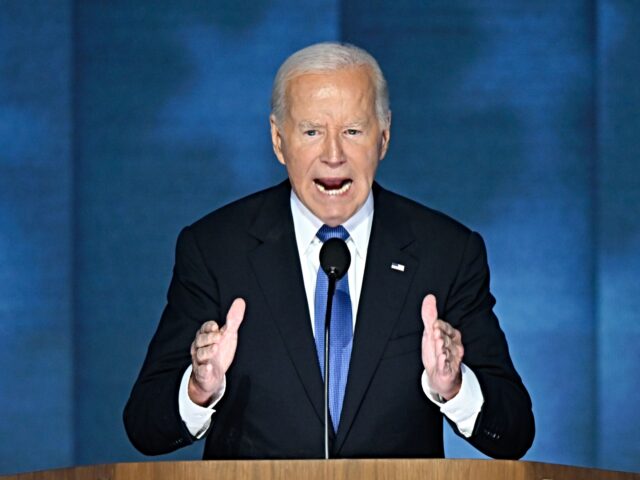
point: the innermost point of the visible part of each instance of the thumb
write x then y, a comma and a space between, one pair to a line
235, 315
429, 312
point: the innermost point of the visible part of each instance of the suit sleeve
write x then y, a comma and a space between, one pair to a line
151, 417
505, 426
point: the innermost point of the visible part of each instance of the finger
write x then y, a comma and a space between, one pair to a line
206, 354
441, 340
202, 355
450, 366
460, 352
453, 341
442, 366
429, 312
203, 371
457, 337
208, 327
440, 346
444, 326
453, 337
456, 354
429, 351
205, 339
448, 369
235, 316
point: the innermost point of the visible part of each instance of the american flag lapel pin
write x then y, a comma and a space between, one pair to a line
397, 266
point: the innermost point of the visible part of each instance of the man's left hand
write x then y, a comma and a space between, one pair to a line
442, 351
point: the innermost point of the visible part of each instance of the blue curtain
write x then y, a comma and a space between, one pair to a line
121, 122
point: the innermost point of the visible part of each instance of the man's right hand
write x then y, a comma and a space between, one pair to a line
212, 352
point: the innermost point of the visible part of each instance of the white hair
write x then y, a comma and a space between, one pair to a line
327, 57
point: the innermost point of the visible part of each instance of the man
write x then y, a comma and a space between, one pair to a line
237, 355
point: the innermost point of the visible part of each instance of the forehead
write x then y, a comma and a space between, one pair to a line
350, 87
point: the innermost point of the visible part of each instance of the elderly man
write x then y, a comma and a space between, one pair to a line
238, 355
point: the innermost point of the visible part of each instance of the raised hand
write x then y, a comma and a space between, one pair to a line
442, 351
212, 352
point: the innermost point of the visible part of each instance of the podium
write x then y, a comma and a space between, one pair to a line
383, 469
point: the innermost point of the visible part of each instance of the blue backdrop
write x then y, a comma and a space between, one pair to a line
121, 122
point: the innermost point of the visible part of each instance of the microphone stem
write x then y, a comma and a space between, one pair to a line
327, 325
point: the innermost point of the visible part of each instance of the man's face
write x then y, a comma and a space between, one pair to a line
331, 141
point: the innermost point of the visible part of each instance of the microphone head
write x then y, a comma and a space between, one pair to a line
335, 258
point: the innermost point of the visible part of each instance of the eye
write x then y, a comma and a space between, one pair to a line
310, 133
353, 132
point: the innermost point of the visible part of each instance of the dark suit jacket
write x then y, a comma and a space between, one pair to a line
272, 407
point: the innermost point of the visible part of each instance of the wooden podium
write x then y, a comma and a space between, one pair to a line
327, 469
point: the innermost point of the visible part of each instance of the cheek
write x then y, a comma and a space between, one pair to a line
369, 165
298, 169
365, 157
301, 162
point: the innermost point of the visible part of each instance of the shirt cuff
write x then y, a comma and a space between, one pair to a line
463, 409
196, 418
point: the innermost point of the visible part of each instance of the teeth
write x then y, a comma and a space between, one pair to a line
334, 192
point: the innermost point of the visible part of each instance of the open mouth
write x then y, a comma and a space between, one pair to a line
333, 186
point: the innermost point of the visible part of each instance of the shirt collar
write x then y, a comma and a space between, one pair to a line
306, 225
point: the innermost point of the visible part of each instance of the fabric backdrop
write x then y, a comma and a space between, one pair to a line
121, 122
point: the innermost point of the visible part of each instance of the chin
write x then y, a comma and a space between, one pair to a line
333, 219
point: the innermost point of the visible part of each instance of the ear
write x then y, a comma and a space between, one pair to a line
385, 137
276, 139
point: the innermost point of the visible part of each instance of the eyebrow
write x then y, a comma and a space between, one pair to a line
355, 124
306, 125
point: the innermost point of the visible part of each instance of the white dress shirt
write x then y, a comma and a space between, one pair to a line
463, 409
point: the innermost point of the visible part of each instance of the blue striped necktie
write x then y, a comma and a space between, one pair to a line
341, 329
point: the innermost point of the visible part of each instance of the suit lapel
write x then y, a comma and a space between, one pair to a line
276, 265
381, 300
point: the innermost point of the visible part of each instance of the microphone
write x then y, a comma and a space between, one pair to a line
334, 261
335, 258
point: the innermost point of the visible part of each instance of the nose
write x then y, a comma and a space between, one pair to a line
333, 150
